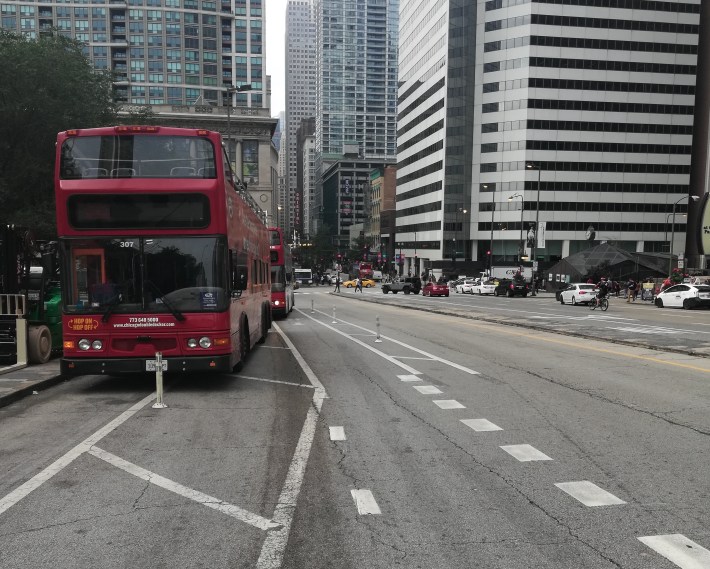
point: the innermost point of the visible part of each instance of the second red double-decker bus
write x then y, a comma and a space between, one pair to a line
282, 278
163, 251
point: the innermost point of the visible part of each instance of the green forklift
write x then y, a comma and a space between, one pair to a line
29, 288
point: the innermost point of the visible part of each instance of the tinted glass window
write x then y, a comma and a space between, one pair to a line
137, 156
139, 211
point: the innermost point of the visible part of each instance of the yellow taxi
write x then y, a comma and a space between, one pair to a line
366, 283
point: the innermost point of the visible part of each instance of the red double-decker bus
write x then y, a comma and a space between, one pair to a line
163, 251
282, 297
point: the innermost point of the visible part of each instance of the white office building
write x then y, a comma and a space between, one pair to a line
581, 121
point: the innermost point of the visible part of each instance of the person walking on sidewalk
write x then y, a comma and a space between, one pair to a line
337, 284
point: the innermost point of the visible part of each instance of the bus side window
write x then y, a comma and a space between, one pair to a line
239, 272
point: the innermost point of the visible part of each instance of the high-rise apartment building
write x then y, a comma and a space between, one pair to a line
356, 84
161, 51
582, 121
300, 96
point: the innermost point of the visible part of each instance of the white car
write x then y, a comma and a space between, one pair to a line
466, 286
484, 287
578, 293
684, 296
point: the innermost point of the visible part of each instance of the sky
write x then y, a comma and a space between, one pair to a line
275, 14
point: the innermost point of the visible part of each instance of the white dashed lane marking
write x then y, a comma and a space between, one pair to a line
589, 493
337, 433
365, 502
448, 404
525, 453
481, 425
680, 550
409, 378
427, 389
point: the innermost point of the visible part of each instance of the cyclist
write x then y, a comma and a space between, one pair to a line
602, 290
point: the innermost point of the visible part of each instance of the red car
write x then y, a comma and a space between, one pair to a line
433, 289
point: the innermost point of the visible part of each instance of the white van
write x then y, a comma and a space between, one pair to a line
377, 276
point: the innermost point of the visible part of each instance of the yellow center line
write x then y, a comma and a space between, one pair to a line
536, 336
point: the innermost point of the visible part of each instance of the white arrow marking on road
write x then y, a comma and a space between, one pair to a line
679, 549
525, 453
589, 493
365, 502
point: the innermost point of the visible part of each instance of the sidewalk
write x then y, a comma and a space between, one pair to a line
17, 384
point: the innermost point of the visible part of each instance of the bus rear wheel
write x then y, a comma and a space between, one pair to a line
244, 344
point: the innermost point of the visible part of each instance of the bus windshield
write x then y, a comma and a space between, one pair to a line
140, 274
137, 156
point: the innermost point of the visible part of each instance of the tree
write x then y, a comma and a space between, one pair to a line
48, 85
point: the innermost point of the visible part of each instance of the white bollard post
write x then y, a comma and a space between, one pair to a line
159, 382
378, 339
312, 311
334, 320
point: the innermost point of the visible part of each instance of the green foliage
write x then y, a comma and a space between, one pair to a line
48, 85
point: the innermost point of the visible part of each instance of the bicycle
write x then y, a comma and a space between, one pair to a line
602, 303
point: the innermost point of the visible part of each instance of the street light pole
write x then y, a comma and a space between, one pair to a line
493, 215
522, 210
670, 245
230, 91
533, 166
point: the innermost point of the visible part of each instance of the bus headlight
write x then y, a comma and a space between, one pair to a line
84, 344
97, 344
192, 343
205, 342
277, 302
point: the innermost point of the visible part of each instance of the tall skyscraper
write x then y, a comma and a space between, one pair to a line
357, 77
356, 84
162, 52
300, 95
582, 121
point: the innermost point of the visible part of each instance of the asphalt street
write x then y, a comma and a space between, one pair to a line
450, 442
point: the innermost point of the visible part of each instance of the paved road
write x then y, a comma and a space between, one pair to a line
453, 442
639, 323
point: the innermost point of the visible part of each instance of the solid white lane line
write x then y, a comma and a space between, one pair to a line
525, 453
40, 478
481, 425
365, 502
195, 495
337, 433
449, 404
275, 347
390, 359
409, 378
589, 493
680, 550
274, 546
291, 383
408, 346
427, 389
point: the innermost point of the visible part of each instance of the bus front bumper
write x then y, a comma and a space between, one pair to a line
116, 366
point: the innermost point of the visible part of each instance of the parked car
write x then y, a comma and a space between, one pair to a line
684, 296
435, 289
453, 283
578, 293
465, 286
484, 287
511, 287
366, 283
